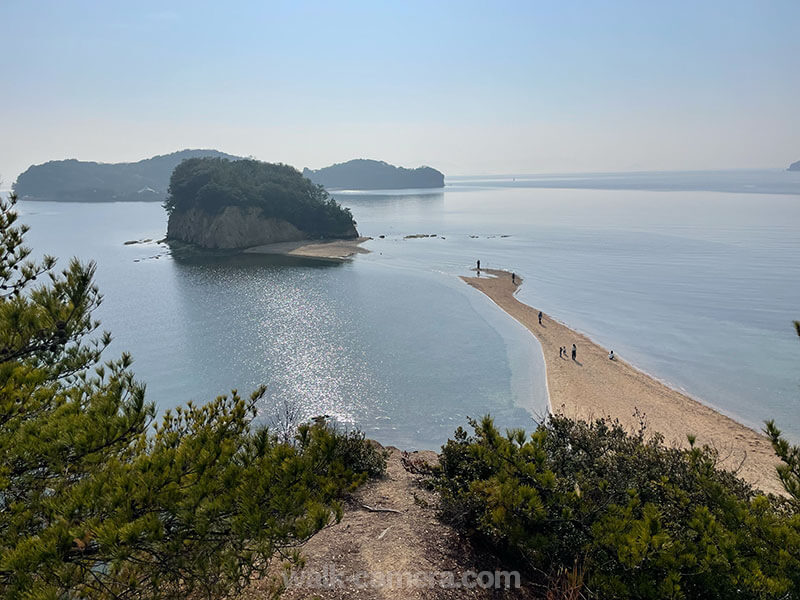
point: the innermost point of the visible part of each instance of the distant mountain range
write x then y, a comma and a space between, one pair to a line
363, 174
80, 181
148, 180
794, 166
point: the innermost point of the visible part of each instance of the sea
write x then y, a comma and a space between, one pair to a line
692, 277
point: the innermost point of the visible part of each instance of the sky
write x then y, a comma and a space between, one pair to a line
466, 87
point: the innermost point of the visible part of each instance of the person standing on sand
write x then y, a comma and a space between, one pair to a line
574, 352
513, 278
479, 265
540, 317
560, 351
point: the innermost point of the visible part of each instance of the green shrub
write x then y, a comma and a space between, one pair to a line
97, 503
789, 469
639, 519
356, 453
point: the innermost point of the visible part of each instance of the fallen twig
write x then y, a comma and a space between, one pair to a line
372, 509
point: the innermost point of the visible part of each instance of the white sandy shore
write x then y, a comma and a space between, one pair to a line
594, 386
324, 249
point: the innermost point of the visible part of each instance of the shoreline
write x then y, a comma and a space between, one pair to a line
329, 249
594, 386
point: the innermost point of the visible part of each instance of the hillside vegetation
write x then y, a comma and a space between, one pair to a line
80, 181
100, 501
363, 174
594, 510
277, 190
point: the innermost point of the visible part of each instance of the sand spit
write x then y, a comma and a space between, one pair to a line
594, 386
325, 249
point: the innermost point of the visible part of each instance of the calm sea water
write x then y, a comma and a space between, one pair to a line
697, 287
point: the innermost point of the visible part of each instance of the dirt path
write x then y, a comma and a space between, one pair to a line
593, 386
391, 552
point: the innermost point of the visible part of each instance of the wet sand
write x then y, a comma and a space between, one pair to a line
592, 386
325, 249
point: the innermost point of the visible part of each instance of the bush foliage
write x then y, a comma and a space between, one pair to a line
97, 503
789, 469
278, 190
637, 519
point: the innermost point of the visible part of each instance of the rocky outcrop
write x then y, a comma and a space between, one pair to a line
232, 227
794, 166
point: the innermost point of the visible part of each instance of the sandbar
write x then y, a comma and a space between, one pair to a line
325, 249
594, 386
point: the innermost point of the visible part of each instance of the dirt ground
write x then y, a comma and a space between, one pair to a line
408, 554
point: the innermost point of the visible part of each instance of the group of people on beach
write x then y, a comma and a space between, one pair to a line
563, 353
562, 350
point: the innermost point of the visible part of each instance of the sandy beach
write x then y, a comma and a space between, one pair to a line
324, 249
594, 386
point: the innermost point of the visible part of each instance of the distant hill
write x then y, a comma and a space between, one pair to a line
794, 166
363, 174
80, 181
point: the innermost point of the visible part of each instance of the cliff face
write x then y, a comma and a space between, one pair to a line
233, 227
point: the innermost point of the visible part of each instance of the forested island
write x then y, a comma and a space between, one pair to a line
364, 174
218, 203
795, 166
81, 181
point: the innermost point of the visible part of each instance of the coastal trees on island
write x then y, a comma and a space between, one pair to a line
100, 500
276, 190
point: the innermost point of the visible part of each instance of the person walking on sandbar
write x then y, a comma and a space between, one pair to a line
574, 352
513, 278
479, 265
540, 317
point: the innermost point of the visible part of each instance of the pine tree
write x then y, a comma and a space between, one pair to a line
789, 470
96, 500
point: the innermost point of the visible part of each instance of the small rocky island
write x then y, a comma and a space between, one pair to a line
219, 203
794, 166
81, 181
363, 174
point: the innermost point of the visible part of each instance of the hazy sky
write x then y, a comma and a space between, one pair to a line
467, 87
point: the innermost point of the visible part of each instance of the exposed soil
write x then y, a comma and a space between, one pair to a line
408, 554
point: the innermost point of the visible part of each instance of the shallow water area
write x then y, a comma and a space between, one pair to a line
698, 288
